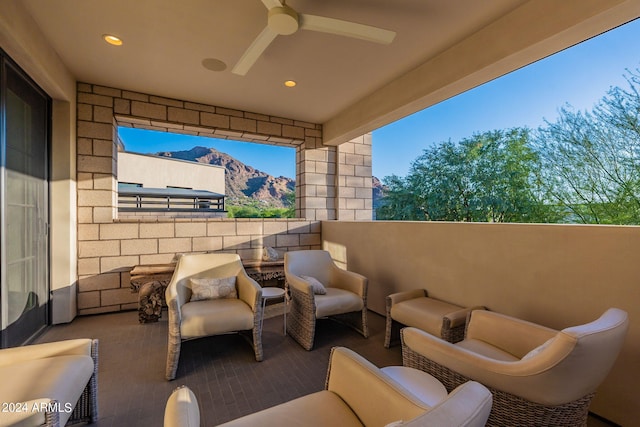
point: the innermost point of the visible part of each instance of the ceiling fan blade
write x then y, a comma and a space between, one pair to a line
254, 51
346, 28
269, 4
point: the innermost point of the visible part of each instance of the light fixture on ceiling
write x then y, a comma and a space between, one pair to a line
112, 40
290, 83
214, 64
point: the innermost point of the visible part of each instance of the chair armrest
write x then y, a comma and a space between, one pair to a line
459, 317
248, 289
373, 396
81, 347
534, 379
398, 297
182, 409
510, 334
468, 405
348, 280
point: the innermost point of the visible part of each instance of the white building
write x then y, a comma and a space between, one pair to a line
155, 186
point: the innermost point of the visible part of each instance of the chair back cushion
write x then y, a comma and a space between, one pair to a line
314, 263
596, 346
567, 368
371, 394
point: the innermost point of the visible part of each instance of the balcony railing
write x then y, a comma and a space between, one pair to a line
169, 200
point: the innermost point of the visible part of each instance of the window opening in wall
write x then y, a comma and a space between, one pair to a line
557, 141
203, 176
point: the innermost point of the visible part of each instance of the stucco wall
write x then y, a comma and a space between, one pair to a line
555, 275
158, 172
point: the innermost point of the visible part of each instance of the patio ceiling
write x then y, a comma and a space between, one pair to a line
348, 85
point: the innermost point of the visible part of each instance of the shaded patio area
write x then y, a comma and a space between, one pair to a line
220, 370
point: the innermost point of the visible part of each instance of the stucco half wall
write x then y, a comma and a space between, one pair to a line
555, 275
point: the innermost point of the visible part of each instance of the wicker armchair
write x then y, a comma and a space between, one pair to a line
356, 393
194, 319
345, 299
538, 376
50, 384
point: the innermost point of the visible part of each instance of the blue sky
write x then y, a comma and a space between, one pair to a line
579, 76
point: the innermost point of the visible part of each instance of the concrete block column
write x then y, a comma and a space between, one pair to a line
315, 181
354, 184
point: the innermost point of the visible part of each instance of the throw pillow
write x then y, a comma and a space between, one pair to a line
316, 286
213, 288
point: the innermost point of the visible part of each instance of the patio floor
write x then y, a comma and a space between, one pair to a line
221, 370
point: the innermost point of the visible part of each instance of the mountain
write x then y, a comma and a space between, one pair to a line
244, 182
241, 181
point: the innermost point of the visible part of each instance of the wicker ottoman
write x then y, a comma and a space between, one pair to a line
415, 308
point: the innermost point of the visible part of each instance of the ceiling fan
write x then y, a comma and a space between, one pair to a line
283, 21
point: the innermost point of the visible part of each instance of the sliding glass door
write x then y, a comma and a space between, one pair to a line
24, 189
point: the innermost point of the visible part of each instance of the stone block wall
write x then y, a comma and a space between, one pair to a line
108, 251
331, 183
355, 196
316, 182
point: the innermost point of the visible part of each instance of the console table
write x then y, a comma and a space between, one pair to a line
262, 271
150, 282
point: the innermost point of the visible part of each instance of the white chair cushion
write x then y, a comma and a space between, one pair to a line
337, 301
212, 317
423, 313
481, 347
61, 378
422, 385
323, 408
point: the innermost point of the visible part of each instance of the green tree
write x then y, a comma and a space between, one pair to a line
491, 176
591, 163
251, 208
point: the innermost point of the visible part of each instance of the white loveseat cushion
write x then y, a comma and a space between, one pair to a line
212, 317
323, 408
62, 378
337, 301
422, 313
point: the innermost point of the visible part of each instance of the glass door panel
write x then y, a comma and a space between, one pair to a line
25, 282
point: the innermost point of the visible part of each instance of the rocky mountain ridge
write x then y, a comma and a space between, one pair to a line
244, 182
241, 181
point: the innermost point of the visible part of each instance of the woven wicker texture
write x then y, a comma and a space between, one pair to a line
86, 409
301, 323
508, 410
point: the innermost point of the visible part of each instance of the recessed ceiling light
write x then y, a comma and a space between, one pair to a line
112, 40
290, 83
214, 64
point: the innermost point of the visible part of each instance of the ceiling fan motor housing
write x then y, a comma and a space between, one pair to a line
283, 20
